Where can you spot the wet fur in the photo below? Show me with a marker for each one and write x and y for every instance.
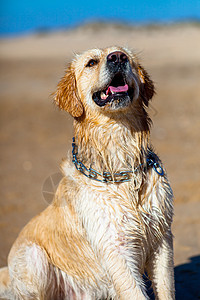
(96, 240)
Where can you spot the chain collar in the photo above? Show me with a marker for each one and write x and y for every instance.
(152, 161)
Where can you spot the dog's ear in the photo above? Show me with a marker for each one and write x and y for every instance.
(66, 95)
(147, 89)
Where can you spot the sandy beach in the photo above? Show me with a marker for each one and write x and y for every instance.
(35, 135)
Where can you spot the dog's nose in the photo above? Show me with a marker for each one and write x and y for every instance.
(117, 57)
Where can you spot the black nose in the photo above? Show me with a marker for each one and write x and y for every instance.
(117, 57)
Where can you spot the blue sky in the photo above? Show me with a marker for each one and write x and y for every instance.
(20, 16)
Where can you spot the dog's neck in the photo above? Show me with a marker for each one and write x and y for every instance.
(112, 145)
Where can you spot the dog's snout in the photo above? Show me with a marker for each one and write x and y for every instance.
(117, 57)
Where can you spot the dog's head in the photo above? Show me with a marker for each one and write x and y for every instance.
(110, 80)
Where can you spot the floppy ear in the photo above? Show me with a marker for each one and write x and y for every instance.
(147, 87)
(66, 95)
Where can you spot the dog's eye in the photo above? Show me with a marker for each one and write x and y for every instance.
(91, 63)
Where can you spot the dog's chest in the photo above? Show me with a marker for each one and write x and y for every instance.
(113, 220)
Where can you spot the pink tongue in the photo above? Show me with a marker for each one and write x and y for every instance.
(116, 89)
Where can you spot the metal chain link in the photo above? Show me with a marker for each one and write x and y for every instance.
(107, 177)
(152, 161)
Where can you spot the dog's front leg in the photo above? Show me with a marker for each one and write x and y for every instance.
(161, 270)
(126, 284)
(106, 234)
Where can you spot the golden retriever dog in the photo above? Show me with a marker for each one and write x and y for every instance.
(110, 220)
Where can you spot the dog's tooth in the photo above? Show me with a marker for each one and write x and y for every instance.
(103, 95)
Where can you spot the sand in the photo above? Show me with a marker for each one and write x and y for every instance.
(35, 135)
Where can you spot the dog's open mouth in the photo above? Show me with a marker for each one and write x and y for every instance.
(117, 91)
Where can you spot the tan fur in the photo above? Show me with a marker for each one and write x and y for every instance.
(96, 239)
(66, 96)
